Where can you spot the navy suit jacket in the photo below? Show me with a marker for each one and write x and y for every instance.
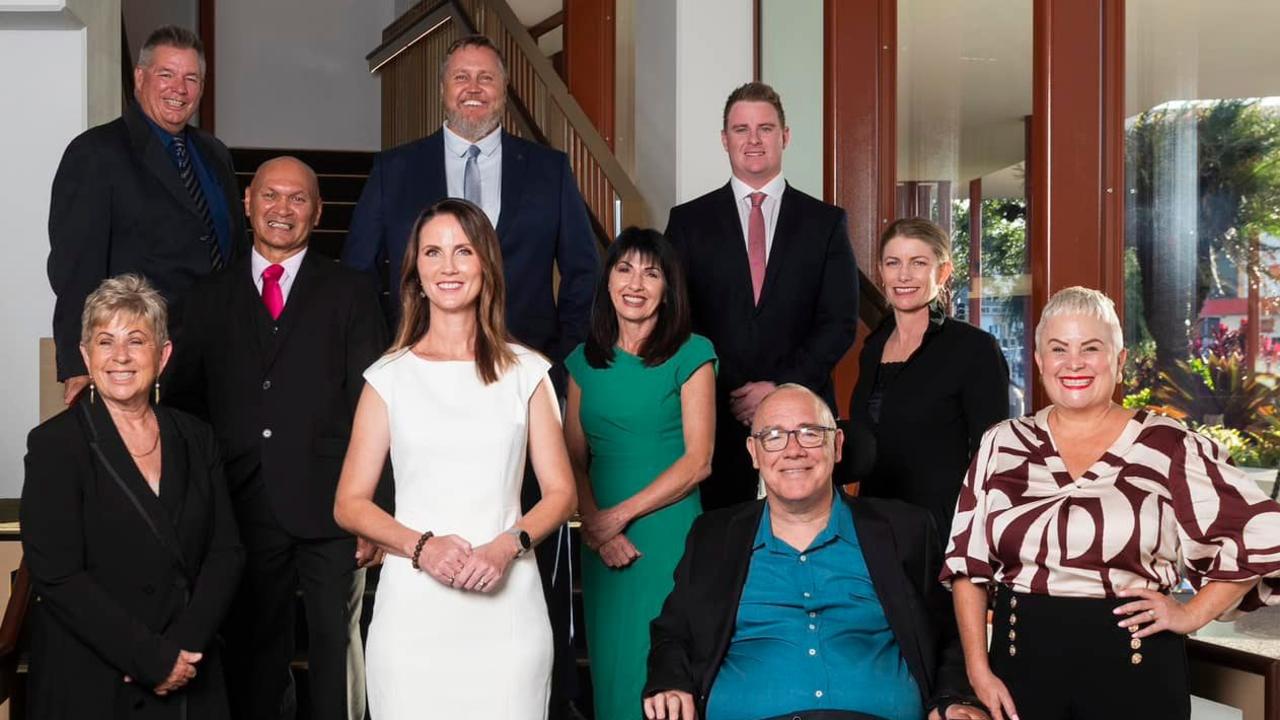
(543, 223)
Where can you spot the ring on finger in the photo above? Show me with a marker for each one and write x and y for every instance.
(1151, 614)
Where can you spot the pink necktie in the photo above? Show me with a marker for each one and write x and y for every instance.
(755, 243)
(272, 296)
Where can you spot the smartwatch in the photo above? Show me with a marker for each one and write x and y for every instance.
(523, 538)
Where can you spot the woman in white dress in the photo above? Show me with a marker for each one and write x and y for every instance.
(460, 627)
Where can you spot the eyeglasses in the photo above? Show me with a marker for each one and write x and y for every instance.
(808, 436)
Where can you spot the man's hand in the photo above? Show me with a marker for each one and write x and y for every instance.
(368, 553)
(960, 712)
(744, 401)
(184, 669)
(72, 387)
(670, 705)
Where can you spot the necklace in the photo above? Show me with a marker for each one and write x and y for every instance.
(154, 445)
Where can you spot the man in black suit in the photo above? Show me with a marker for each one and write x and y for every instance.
(772, 282)
(274, 356)
(144, 193)
(530, 196)
(807, 604)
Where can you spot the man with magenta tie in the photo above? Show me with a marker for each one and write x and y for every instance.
(273, 357)
(772, 282)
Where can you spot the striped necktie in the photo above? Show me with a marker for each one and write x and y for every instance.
(192, 184)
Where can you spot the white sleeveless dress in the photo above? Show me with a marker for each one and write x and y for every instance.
(458, 450)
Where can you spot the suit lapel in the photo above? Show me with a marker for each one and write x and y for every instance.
(737, 559)
(733, 246)
(300, 293)
(121, 465)
(246, 304)
(879, 551)
(431, 158)
(783, 233)
(230, 189)
(157, 160)
(513, 168)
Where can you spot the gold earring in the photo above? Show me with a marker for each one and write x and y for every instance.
(157, 392)
(91, 393)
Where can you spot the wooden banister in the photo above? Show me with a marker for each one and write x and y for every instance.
(539, 106)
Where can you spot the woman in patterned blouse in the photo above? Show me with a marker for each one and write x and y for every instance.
(1080, 518)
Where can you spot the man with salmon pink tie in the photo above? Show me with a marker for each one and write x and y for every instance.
(772, 282)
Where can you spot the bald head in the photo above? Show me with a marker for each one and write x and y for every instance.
(283, 205)
(791, 392)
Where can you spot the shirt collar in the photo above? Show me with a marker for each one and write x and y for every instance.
(165, 136)
(257, 264)
(773, 188)
(457, 145)
(839, 526)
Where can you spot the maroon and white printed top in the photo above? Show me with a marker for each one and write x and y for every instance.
(1160, 493)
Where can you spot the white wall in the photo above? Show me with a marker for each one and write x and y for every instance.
(59, 63)
(791, 61)
(292, 73)
(689, 55)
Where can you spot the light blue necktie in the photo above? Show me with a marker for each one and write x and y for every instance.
(471, 177)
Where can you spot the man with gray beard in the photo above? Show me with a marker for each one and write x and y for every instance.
(530, 196)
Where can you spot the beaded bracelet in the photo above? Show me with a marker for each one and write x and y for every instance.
(417, 549)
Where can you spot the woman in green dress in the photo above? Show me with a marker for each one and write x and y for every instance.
(640, 426)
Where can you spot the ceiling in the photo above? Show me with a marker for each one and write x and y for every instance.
(964, 76)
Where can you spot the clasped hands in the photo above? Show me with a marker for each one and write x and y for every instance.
(602, 532)
(184, 670)
(453, 562)
(744, 400)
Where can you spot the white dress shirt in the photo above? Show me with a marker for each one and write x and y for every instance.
(769, 208)
(257, 264)
(489, 161)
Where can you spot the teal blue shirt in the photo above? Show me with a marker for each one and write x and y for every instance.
(811, 635)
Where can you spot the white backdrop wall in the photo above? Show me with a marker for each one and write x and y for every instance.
(292, 73)
(60, 65)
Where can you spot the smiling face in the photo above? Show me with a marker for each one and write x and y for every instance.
(474, 91)
(124, 359)
(1078, 366)
(283, 205)
(794, 475)
(754, 138)
(912, 273)
(636, 287)
(168, 89)
(448, 266)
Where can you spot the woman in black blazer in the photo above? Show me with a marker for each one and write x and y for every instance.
(128, 534)
(928, 385)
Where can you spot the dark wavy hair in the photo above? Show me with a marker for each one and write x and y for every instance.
(493, 356)
(673, 324)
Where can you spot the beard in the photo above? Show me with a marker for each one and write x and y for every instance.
(474, 129)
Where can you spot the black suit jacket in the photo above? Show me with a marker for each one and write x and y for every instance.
(932, 415)
(543, 222)
(118, 206)
(124, 579)
(808, 310)
(689, 639)
(281, 395)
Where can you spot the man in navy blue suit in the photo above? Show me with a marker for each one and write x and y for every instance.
(529, 193)
(527, 190)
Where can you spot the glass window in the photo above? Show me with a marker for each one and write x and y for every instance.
(964, 99)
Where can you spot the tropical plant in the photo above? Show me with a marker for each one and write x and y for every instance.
(1216, 390)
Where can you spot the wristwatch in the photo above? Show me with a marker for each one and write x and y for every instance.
(523, 538)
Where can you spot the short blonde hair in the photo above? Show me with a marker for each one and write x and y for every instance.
(1077, 300)
(126, 295)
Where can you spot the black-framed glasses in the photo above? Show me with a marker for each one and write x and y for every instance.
(808, 436)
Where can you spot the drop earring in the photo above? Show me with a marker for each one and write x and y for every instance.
(91, 388)
(157, 392)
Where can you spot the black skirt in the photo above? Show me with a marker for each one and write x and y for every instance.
(1066, 658)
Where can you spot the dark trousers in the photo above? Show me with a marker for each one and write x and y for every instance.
(557, 588)
(733, 480)
(1068, 660)
(260, 626)
(826, 715)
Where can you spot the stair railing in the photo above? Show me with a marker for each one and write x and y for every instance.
(539, 106)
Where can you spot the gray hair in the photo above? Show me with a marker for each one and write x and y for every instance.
(476, 40)
(825, 416)
(171, 36)
(129, 295)
(1077, 300)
